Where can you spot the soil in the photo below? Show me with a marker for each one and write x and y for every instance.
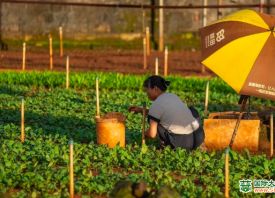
(184, 63)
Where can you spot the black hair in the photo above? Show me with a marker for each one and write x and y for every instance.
(156, 81)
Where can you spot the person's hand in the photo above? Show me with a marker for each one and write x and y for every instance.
(135, 109)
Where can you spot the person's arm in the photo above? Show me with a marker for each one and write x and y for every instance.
(153, 129)
(136, 109)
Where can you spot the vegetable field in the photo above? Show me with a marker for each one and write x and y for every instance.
(39, 167)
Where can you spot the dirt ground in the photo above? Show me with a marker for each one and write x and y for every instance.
(184, 63)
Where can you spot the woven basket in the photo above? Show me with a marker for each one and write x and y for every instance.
(110, 129)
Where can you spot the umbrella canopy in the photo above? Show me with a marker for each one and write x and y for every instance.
(240, 48)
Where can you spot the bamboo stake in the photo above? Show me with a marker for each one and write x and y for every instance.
(226, 194)
(97, 99)
(161, 26)
(157, 66)
(166, 61)
(51, 51)
(143, 123)
(206, 99)
(24, 57)
(67, 72)
(271, 135)
(61, 41)
(148, 41)
(144, 54)
(22, 120)
(71, 169)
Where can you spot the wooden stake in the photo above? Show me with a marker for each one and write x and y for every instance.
(202, 68)
(144, 54)
(148, 41)
(271, 135)
(166, 61)
(24, 57)
(67, 72)
(226, 193)
(97, 99)
(51, 51)
(22, 120)
(61, 41)
(157, 66)
(206, 99)
(143, 123)
(161, 26)
(71, 169)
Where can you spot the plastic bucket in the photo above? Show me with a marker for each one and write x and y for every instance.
(110, 129)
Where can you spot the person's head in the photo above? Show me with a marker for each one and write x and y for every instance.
(154, 86)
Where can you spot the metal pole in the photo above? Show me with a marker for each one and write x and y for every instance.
(219, 2)
(261, 8)
(143, 20)
(268, 8)
(3, 46)
(1, 23)
(147, 34)
(204, 20)
(161, 26)
(238, 121)
(153, 15)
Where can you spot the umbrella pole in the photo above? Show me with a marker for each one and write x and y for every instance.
(243, 104)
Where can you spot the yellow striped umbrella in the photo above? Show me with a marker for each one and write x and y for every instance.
(240, 48)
